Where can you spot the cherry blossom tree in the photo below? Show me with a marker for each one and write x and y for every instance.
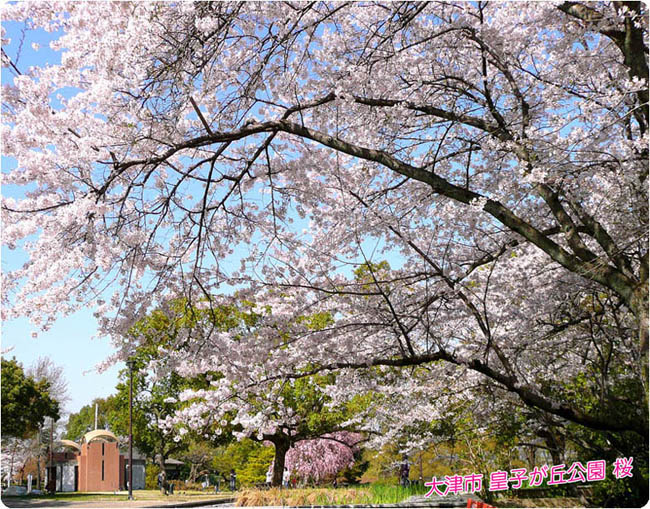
(323, 458)
(495, 153)
(284, 414)
(281, 412)
(15, 452)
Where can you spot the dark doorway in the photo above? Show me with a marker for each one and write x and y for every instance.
(51, 479)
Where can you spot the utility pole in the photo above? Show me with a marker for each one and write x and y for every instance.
(38, 457)
(51, 478)
(130, 363)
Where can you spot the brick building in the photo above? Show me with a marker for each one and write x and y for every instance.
(99, 466)
(95, 465)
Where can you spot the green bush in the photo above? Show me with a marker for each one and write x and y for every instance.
(254, 472)
(151, 477)
(249, 459)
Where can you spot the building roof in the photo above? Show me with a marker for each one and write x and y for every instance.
(99, 434)
(70, 443)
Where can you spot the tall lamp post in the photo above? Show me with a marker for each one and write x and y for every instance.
(52, 473)
(131, 364)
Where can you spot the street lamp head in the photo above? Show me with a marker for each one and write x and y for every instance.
(130, 362)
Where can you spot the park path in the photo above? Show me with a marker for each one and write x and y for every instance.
(448, 501)
(19, 502)
(117, 504)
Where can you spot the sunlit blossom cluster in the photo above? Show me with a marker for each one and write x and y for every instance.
(461, 188)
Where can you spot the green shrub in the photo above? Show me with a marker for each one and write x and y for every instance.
(254, 472)
(151, 477)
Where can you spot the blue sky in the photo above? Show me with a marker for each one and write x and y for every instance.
(69, 342)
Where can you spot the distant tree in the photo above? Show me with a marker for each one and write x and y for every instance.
(34, 447)
(44, 369)
(250, 459)
(25, 402)
(257, 465)
(83, 421)
(198, 456)
(155, 398)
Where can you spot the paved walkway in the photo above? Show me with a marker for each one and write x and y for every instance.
(19, 502)
(117, 504)
(450, 501)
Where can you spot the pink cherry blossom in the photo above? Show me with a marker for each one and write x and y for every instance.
(495, 154)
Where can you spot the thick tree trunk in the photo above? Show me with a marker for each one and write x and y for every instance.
(531, 456)
(193, 474)
(639, 305)
(282, 445)
(161, 464)
(555, 443)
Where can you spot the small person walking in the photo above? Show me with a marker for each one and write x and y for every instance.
(162, 482)
(233, 479)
